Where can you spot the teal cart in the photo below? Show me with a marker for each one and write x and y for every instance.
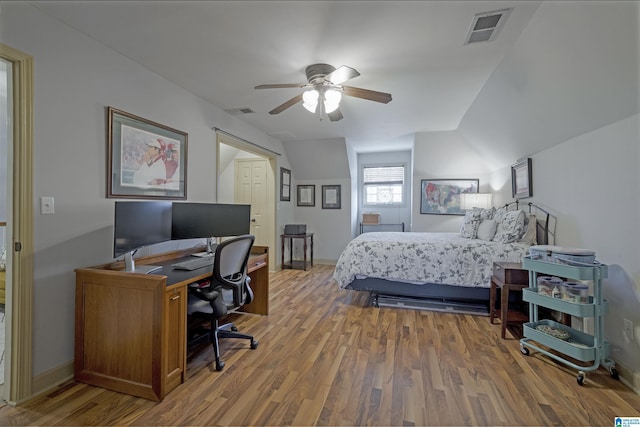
(575, 344)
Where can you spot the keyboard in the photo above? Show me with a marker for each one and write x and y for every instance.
(193, 263)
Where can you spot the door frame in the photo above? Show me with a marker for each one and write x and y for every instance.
(19, 297)
(223, 138)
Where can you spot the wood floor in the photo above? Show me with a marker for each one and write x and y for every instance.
(326, 358)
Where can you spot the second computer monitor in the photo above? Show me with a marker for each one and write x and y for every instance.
(205, 220)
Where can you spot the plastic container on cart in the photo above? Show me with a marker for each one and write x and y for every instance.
(547, 284)
(561, 254)
(575, 292)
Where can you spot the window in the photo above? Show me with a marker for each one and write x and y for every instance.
(383, 185)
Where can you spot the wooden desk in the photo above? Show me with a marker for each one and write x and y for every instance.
(130, 328)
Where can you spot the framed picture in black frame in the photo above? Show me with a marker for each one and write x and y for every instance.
(331, 197)
(306, 195)
(521, 179)
(285, 185)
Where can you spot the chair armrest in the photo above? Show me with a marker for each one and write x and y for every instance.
(205, 294)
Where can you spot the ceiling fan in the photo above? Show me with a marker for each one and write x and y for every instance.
(324, 89)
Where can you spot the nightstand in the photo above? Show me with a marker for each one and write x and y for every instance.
(508, 276)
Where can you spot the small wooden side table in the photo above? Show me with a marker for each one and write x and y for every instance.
(508, 276)
(297, 264)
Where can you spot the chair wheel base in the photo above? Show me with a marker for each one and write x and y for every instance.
(254, 344)
(219, 366)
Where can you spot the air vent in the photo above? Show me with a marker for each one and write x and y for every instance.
(239, 111)
(485, 26)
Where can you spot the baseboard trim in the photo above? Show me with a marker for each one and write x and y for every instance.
(325, 261)
(50, 379)
(628, 377)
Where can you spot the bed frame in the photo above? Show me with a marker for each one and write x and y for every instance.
(441, 297)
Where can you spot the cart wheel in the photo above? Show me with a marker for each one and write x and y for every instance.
(614, 373)
(524, 350)
(580, 378)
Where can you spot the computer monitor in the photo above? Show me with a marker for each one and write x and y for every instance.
(209, 220)
(138, 224)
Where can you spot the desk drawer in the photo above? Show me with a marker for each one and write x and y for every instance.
(510, 272)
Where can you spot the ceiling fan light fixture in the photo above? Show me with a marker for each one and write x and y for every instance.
(332, 100)
(310, 100)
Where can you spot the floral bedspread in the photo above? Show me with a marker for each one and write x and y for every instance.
(443, 258)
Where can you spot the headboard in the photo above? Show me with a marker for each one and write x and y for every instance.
(545, 222)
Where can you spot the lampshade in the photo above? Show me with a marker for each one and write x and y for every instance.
(310, 100)
(476, 200)
(330, 99)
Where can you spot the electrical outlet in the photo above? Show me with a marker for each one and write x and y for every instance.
(628, 329)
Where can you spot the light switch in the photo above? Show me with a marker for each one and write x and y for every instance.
(46, 205)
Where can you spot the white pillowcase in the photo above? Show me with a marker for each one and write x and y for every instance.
(487, 229)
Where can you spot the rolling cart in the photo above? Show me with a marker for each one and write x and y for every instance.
(574, 343)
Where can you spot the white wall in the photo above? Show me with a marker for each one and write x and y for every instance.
(75, 79)
(444, 155)
(322, 162)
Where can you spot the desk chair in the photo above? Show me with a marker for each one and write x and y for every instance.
(229, 290)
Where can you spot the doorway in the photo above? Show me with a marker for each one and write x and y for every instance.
(231, 154)
(18, 358)
(5, 119)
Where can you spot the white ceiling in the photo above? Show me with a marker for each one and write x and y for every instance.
(220, 50)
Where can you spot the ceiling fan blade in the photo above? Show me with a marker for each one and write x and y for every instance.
(335, 115)
(341, 74)
(370, 95)
(280, 86)
(280, 108)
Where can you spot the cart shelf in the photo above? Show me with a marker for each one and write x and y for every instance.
(588, 309)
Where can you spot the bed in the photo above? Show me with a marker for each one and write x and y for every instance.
(441, 269)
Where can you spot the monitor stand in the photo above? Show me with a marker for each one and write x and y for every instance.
(211, 249)
(130, 265)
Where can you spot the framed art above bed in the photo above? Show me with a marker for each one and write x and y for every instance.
(521, 179)
(442, 196)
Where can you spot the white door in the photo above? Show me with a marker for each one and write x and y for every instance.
(251, 188)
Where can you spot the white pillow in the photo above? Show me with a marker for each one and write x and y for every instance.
(531, 229)
(487, 229)
(510, 227)
(470, 224)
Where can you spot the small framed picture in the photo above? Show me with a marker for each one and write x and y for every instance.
(306, 195)
(521, 179)
(147, 160)
(285, 185)
(330, 197)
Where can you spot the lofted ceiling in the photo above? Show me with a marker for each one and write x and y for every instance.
(221, 50)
